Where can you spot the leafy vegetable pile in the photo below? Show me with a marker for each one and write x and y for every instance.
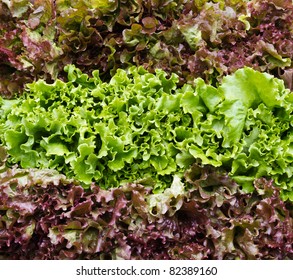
(142, 127)
(153, 129)
(200, 38)
(49, 217)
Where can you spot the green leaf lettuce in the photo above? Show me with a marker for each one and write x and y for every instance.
(144, 127)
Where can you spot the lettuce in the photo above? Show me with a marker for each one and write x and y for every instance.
(46, 216)
(229, 35)
(207, 39)
(89, 130)
(143, 127)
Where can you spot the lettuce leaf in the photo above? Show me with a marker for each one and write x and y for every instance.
(145, 127)
(207, 39)
(46, 216)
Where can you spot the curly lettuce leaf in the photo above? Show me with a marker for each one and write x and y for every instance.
(207, 39)
(46, 216)
(145, 127)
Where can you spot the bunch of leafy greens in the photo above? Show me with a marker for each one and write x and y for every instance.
(207, 39)
(141, 127)
(46, 216)
(27, 43)
(229, 35)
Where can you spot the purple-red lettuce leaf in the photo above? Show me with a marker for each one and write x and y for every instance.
(190, 38)
(43, 215)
